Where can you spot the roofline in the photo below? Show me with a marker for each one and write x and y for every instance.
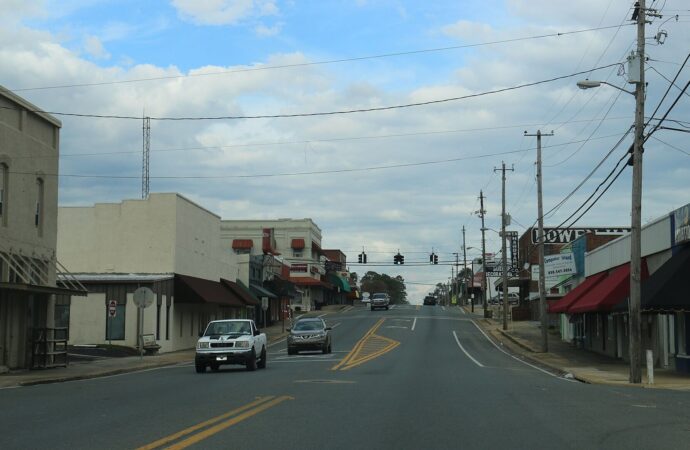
(29, 106)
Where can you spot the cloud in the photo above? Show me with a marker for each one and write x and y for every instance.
(223, 12)
(94, 47)
(232, 166)
(265, 31)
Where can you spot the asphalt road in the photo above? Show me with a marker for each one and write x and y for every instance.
(422, 378)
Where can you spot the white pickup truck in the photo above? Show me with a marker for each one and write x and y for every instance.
(236, 341)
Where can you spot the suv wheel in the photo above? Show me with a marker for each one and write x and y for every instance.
(200, 368)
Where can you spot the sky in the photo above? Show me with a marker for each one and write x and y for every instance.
(403, 179)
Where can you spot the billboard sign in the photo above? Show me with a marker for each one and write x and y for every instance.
(681, 224)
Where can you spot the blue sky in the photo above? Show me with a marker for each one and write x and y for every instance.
(444, 154)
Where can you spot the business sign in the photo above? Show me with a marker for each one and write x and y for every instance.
(566, 235)
(681, 224)
(555, 266)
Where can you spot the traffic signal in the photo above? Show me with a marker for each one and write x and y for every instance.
(398, 259)
(359, 258)
(364, 257)
(431, 258)
(402, 259)
(435, 258)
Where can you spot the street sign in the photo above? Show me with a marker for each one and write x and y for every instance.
(143, 297)
(264, 303)
(112, 311)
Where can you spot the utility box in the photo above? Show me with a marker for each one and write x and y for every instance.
(633, 68)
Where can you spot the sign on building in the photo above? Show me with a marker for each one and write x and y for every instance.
(555, 266)
(566, 235)
(681, 224)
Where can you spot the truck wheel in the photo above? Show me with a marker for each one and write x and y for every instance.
(386, 308)
(372, 308)
(200, 368)
(324, 349)
(262, 362)
(291, 351)
(329, 348)
(251, 362)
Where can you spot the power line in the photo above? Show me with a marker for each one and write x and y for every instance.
(316, 63)
(289, 174)
(322, 113)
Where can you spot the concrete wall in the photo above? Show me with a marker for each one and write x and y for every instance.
(164, 234)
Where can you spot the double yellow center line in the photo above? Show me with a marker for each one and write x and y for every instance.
(369, 347)
(216, 424)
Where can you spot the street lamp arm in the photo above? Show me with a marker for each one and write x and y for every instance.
(588, 84)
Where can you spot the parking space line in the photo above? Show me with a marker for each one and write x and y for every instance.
(414, 324)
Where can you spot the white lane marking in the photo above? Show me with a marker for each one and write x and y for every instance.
(462, 310)
(276, 361)
(336, 325)
(322, 315)
(396, 326)
(518, 359)
(443, 308)
(393, 306)
(414, 323)
(465, 351)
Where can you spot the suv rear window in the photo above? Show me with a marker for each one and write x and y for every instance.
(379, 296)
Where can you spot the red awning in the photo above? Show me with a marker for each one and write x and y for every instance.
(609, 292)
(573, 296)
(309, 281)
(242, 244)
(297, 244)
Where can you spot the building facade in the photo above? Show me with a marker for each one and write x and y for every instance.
(29, 292)
(166, 243)
(294, 242)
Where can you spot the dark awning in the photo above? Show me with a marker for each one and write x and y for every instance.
(609, 292)
(667, 289)
(241, 291)
(259, 291)
(581, 289)
(297, 244)
(198, 290)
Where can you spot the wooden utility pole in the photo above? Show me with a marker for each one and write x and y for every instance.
(542, 275)
(504, 256)
(464, 264)
(636, 213)
(482, 212)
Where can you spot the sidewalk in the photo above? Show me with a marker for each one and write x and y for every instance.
(101, 367)
(524, 338)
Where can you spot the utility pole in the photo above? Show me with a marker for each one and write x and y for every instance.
(464, 264)
(482, 212)
(636, 214)
(542, 275)
(504, 257)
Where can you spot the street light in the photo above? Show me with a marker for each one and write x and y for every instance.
(636, 213)
(589, 84)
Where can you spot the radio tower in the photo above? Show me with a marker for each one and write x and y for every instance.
(145, 161)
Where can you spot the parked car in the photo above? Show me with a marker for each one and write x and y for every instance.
(230, 342)
(310, 333)
(513, 299)
(380, 300)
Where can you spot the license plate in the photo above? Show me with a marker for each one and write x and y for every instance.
(221, 358)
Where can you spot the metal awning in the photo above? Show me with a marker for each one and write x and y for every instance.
(260, 291)
(33, 272)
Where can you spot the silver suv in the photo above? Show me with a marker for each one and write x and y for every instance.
(380, 300)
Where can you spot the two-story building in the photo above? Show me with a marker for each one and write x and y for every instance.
(30, 297)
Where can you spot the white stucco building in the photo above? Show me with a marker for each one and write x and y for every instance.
(167, 243)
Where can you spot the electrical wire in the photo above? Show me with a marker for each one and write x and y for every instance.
(321, 113)
(671, 146)
(316, 63)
